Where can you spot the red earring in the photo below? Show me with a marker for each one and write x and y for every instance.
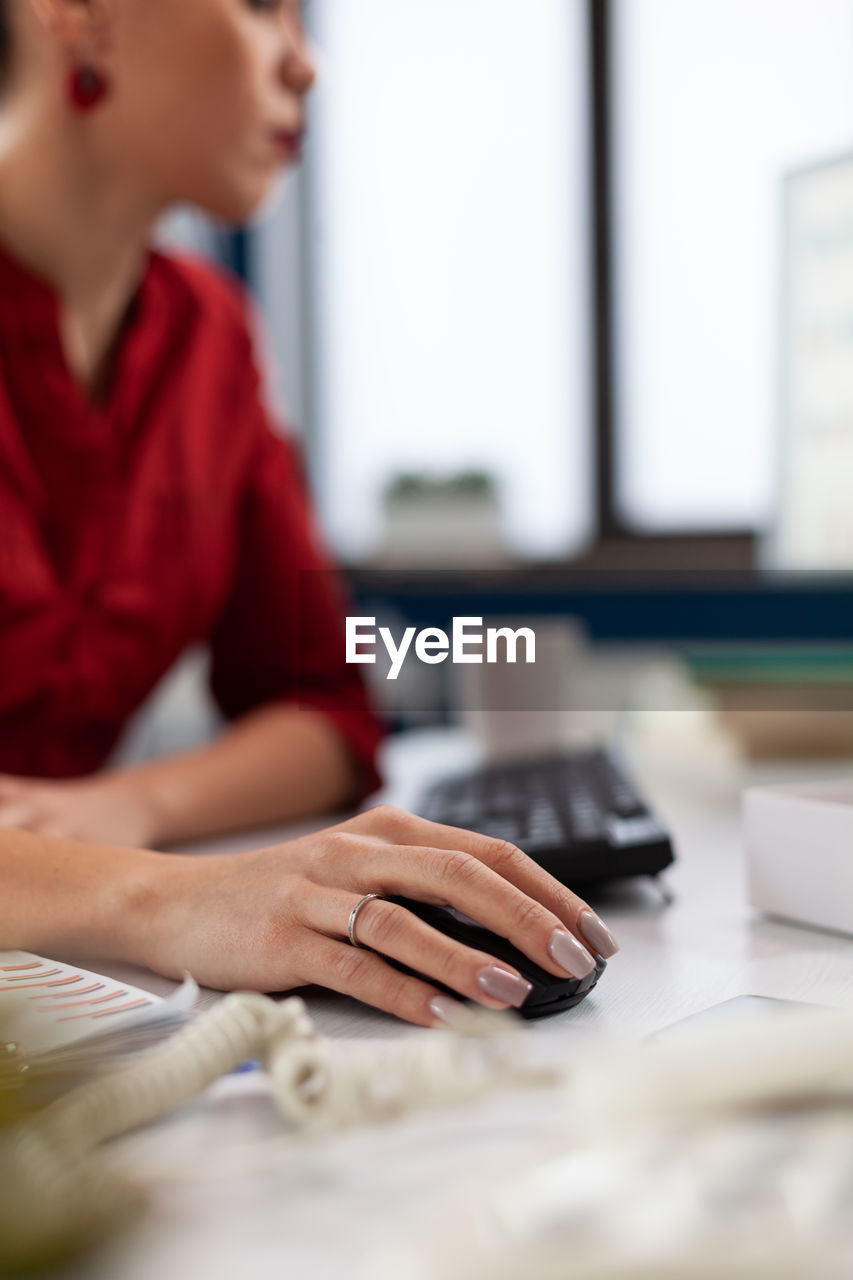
(86, 87)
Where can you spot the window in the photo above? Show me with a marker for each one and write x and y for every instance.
(451, 228)
(448, 237)
(713, 102)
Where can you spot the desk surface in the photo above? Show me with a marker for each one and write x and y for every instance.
(323, 1211)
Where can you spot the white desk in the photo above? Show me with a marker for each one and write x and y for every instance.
(321, 1213)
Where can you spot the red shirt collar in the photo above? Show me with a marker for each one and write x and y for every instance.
(28, 302)
(29, 328)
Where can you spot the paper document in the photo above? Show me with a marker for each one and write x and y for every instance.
(47, 1006)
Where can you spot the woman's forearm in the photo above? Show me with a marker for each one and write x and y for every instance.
(63, 896)
(276, 765)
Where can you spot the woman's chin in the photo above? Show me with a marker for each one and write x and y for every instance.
(239, 205)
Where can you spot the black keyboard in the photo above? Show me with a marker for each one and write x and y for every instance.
(575, 813)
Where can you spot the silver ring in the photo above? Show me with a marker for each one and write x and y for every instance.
(353, 916)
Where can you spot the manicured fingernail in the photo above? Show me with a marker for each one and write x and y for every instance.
(501, 985)
(598, 935)
(568, 953)
(448, 1011)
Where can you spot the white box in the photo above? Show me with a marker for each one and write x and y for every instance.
(799, 849)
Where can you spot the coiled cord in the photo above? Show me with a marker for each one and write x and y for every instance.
(60, 1194)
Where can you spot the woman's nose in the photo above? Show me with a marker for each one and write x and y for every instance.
(297, 68)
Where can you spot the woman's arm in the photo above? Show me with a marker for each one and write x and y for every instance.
(62, 896)
(276, 918)
(274, 765)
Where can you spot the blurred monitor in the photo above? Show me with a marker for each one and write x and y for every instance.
(814, 518)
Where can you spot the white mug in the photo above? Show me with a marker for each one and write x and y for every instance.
(521, 708)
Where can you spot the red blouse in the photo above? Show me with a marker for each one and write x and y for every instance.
(167, 514)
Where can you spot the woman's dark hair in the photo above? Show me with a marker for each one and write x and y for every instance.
(4, 40)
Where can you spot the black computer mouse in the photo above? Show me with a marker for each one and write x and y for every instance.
(549, 995)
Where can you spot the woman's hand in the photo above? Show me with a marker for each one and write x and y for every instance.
(277, 918)
(103, 809)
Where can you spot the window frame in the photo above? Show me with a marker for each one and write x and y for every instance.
(616, 544)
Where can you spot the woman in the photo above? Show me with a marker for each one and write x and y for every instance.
(146, 504)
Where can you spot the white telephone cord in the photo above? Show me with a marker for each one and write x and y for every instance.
(680, 1135)
(54, 1188)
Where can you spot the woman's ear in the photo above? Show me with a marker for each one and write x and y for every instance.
(81, 27)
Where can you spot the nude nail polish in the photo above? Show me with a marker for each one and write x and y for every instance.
(598, 935)
(450, 1012)
(568, 953)
(501, 985)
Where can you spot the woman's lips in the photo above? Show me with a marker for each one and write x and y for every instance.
(288, 142)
